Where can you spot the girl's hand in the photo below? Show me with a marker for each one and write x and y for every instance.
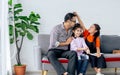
(82, 49)
(88, 51)
(75, 13)
(98, 55)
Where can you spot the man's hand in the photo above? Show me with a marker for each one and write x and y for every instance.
(69, 40)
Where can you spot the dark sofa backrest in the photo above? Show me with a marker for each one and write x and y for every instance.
(43, 42)
(109, 43)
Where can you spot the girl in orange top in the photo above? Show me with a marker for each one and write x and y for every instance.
(93, 42)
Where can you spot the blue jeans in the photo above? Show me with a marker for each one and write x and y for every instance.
(82, 66)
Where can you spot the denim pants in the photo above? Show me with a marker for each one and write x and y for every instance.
(54, 54)
(82, 65)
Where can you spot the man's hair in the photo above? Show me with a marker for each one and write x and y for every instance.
(69, 16)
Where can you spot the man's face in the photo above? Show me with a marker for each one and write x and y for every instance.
(72, 22)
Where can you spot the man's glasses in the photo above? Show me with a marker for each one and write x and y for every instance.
(73, 21)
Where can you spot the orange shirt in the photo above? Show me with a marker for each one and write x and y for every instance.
(90, 38)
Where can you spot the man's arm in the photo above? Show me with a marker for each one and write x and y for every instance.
(67, 42)
(54, 39)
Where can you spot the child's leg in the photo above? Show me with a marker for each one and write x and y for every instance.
(96, 69)
(99, 70)
(100, 63)
(84, 66)
(79, 64)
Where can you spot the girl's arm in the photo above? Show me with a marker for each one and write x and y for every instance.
(98, 54)
(82, 49)
(98, 50)
(80, 21)
(98, 47)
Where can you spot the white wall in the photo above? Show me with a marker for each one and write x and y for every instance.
(0, 34)
(103, 12)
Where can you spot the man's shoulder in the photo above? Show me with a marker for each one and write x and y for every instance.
(57, 27)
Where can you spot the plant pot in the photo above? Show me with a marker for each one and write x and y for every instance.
(20, 70)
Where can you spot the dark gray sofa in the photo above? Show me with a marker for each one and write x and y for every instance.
(108, 44)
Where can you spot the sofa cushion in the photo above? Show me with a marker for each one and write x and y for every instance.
(112, 57)
(62, 60)
(108, 58)
(109, 43)
(43, 42)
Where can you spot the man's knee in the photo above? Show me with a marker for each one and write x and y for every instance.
(73, 53)
(50, 54)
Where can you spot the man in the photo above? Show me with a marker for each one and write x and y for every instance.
(60, 38)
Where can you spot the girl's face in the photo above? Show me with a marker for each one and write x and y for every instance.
(92, 29)
(77, 32)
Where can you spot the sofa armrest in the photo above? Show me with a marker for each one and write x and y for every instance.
(37, 57)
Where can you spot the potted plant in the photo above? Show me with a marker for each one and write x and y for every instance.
(21, 28)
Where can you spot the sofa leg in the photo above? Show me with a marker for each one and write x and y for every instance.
(44, 72)
(115, 69)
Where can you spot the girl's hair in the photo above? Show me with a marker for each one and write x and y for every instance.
(77, 25)
(97, 27)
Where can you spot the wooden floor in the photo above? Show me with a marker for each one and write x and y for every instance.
(89, 72)
(106, 74)
(86, 74)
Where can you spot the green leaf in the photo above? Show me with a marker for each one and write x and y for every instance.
(25, 18)
(32, 12)
(16, 18)
(18, 25)
(11, 30)
(11, 40)
(37, 23)
(29, 36)
(23, 25)
(18, 11)
(17, 5)
(10, 2)
(31, 27)
(37, 30)
(22, 33)
(33, 17)
(38, 16)
(34, 28)
(10, 9)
